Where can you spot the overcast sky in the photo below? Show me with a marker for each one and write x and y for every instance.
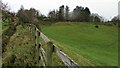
(105, 8)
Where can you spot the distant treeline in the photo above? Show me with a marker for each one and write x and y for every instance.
(78, 14)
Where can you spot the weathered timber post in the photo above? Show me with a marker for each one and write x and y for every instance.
(49, 53)
(36, 38)
(29, 28)
(33, 30)
(39, 45)
(36, 44)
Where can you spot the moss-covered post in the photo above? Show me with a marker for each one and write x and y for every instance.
(49, 53)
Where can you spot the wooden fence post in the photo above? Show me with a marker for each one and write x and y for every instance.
(36, 44)
(36, 37)
(32, 30)
(49, 53)
(39, 45)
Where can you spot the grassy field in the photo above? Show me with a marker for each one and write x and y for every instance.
(83, 42)
(87, 45)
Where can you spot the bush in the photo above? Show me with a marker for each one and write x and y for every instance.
(96, 26)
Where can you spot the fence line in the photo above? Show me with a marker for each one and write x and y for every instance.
(46, 57)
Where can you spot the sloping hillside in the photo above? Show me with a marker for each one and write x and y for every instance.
(85, 43)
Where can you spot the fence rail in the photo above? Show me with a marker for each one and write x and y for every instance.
(46, 57)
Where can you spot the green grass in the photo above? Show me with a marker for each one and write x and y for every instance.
(86, 44)
(0, 43)
(0, 61)
(4, 26)
(21, 46)
(0, 28)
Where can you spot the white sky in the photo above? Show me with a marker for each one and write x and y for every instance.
(105, 8)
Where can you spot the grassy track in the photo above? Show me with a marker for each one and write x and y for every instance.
(86, 44)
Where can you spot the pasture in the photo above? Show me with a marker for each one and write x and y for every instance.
(84, 43)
